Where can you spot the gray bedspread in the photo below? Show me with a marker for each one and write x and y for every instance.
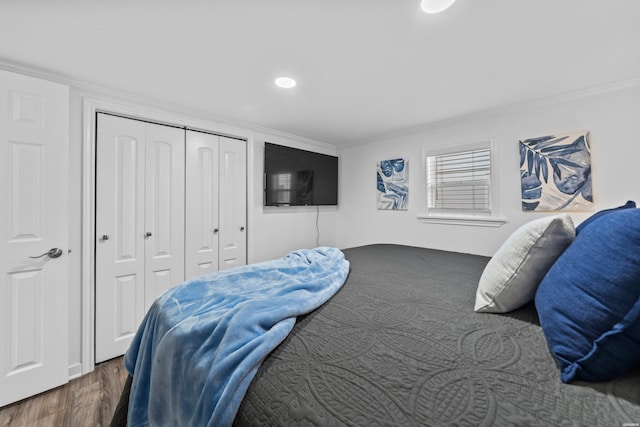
(400, 345)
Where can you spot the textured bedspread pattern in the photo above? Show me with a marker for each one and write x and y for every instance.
(400, 345)
(202, 342)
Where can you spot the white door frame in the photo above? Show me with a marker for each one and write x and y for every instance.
(135, 111)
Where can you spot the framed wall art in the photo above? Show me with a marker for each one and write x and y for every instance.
(393, 184)
(555, 173)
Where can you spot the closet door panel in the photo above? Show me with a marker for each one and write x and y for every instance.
(233, 203)
(201, 235)
(164, 209)
(120, 264)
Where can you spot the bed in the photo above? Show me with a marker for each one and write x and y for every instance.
(400, 344)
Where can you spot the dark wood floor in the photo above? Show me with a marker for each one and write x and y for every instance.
(86, 401)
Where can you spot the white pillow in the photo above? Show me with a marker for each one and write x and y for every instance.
(512, 276)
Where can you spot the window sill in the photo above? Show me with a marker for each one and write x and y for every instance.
(477, 221)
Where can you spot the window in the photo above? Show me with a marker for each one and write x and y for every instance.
(459, 185)
(460, 182)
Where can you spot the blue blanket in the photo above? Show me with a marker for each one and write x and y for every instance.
(201, 342)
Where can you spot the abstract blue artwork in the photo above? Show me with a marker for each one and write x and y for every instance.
(555, 173)
(393, 184)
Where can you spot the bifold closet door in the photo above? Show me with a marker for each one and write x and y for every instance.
(233, 203)
(201, 227)
(216, 203)
(139, 224)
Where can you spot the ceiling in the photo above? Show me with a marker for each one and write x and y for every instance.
(364, 68)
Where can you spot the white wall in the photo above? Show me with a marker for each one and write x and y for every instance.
(279, 230)
(272, 232)
(611, 115)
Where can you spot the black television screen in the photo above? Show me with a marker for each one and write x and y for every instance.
(295, 177)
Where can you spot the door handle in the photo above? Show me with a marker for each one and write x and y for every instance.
(241, 228)
(215, 230)
(52, 253)
(148, 234)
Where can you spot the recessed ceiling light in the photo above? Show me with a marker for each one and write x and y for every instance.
(285, 82)
(436, 6)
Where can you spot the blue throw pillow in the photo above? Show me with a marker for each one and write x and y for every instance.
(589, 301)
(629, 205)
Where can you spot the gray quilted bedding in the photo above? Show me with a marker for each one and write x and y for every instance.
(401, 345)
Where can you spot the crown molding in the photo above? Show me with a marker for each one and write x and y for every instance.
(508, 109)
(153, 103)
(203, 115)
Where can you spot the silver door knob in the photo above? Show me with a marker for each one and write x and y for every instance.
(52, 253)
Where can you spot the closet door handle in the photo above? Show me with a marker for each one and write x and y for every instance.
(215, 230)
(147, 234)
(241, 228)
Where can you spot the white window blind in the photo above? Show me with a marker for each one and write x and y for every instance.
(459, 182)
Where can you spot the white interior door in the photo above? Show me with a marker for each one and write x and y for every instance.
(120, 252)
(201, 227)
(164, 210)
(233, 203)
(34, 132)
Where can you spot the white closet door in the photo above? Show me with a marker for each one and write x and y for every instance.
(139, 224)
(143, 243)
(201, 227)
(120, 251)
(34, 133)
(233, 203)
(164, 210)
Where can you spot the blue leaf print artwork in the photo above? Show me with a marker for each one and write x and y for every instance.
(555, 173)
(381, 187)
(392, 184)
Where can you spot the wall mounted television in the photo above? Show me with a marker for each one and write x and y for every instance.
(295, 177)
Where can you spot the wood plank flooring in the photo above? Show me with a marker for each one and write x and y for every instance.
(86, 401)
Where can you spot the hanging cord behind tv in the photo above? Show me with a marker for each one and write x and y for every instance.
(317, 227)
